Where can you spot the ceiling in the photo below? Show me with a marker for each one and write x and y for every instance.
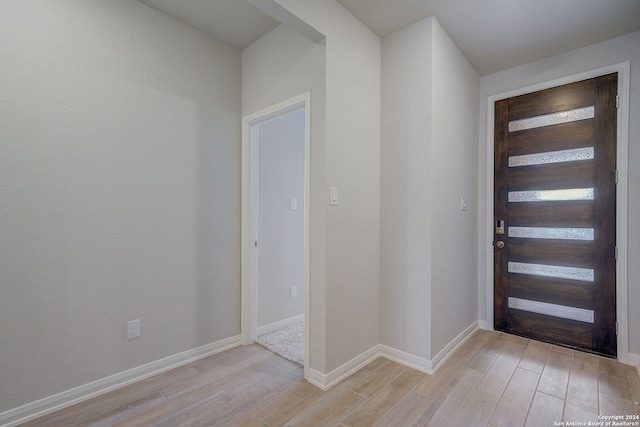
(235, 22)
(496, 35)
(493, 35)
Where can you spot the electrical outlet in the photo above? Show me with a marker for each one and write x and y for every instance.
(294, 291)
(133, 329)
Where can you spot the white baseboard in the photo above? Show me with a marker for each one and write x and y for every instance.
(266, 329)
(317, 378)
(325, 382)
(67, 398)
(629, 359)
(424, 365)
(453, 345)
(486, 325)
(407, 359)
(632, 359)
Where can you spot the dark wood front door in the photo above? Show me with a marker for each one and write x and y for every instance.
(554, 225)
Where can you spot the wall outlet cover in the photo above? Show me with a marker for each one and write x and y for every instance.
(133, 329)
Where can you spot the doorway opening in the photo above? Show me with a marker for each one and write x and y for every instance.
(621, 305)
(275, 229)
(554, 249)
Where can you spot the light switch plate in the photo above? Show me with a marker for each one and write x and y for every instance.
(333, 200)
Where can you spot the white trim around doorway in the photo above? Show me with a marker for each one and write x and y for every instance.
(249, 321)
(622, 309)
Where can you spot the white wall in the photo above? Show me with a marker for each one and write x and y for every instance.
(626, 48)
(352, 164)
(280, 65)
(429, 123)
(119, 189)
(281, 228)
(454, 153)
(405, 264)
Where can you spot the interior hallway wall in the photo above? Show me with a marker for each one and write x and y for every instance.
(405, 264)
(280, 65)
(119, 189)
(454, 153)
(429, 123)
(350, 290)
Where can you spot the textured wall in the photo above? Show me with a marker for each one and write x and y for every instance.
(119, 191)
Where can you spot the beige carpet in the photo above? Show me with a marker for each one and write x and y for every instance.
(287, 342)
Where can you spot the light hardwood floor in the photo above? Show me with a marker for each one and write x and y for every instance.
(493, 379)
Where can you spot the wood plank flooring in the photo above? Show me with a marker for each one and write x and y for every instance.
(492, 380)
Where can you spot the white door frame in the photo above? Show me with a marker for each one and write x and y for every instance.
(249, 233)
(623, 70)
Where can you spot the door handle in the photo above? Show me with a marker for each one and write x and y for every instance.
(499, 244)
